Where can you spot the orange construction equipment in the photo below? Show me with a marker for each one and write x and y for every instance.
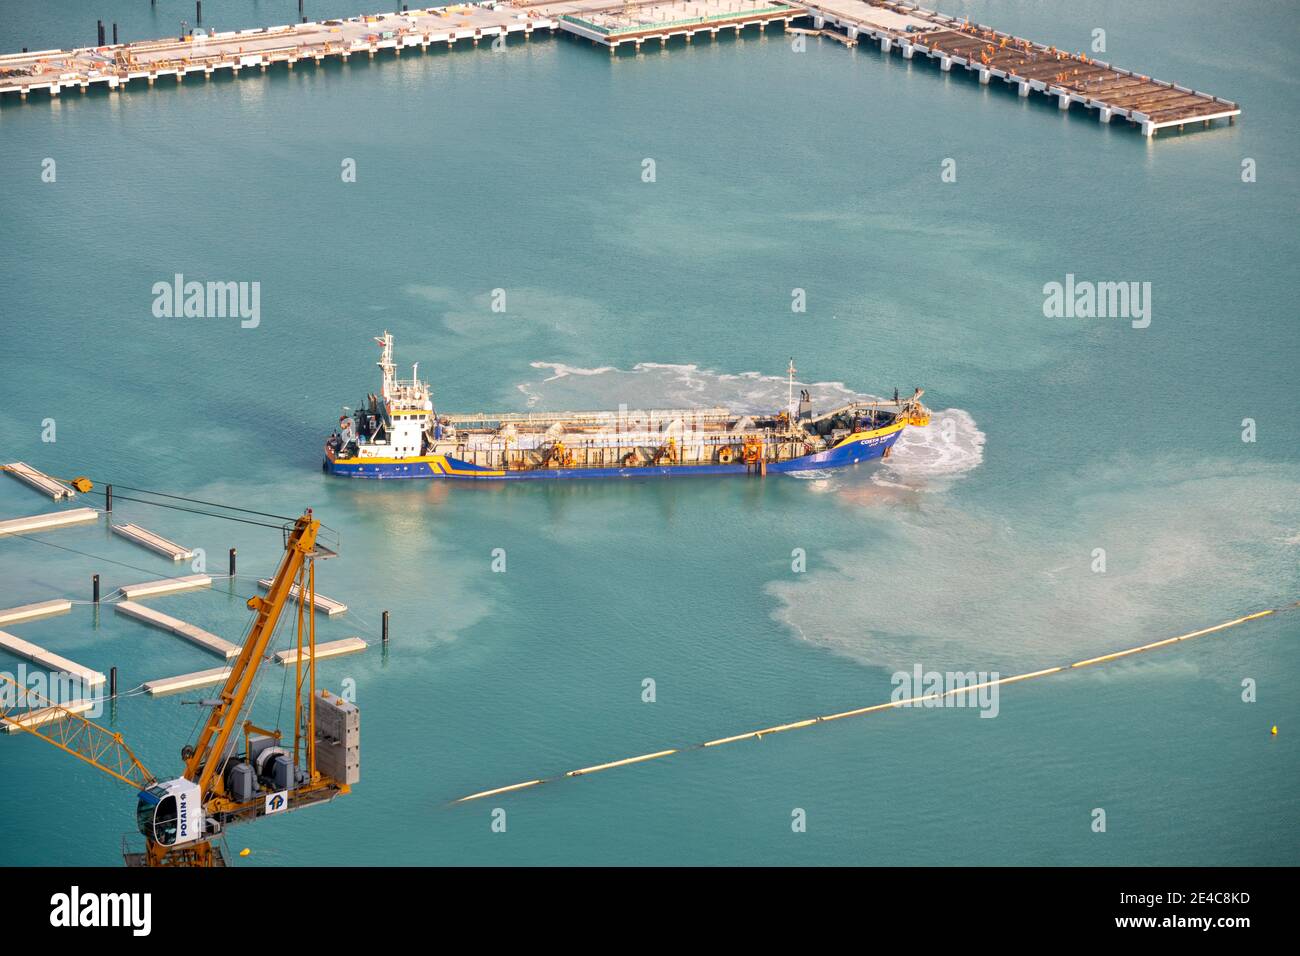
(223, 782)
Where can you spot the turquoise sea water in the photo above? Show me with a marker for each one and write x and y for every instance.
(521, 171)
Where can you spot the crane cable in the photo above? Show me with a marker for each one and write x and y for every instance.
(876, 708)
(185, 498)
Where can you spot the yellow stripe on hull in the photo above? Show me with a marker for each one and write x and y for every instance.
(437, 464)
(860, 436)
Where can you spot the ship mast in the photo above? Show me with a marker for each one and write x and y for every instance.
(789, 395)
(386, 365)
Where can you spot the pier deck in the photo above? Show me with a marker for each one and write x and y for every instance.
(613, 24)
(203, 53)
(1070, 78)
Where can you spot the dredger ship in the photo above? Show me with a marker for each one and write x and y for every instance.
(398, 433)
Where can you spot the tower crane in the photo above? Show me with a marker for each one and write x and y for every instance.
(235, 771)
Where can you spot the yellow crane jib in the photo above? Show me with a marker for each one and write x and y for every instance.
(26, 710)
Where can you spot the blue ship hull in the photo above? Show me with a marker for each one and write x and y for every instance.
(851, 451)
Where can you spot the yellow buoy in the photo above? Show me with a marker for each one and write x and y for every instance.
(82, 484)
(1274, 730)
(245, 851)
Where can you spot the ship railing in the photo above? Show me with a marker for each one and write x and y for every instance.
(597, 417)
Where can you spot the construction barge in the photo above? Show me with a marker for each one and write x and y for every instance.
(398, 434)
(1069, 78)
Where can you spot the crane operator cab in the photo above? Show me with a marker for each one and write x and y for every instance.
(170, 813)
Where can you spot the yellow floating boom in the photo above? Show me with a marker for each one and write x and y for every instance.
(873, 708)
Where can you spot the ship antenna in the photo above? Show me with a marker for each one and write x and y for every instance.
(386, 364)
(789, 395)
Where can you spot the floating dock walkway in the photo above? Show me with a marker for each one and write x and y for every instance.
(1069, 78)
(30, 476)
(30, 612)
(172, 685)
(189, 582)
(49, 660)
(154, 542)
(195, 635)
(329, 606)
(348, 645)
(45, 522)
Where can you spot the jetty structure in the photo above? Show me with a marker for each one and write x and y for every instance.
(1070, 78)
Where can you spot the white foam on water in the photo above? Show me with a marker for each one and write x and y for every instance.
(1013, 586)
(951, 445)
(650, 385)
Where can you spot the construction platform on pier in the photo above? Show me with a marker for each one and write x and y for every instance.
(46, 522)
(114, 66)
(49, 660)
(165, 622)
(154, 542)
(1031, 67)
(614, 24)
(38, 480)
(1069, 78)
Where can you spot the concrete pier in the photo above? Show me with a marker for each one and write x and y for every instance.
(30, 612)
(610, 24)
(1152, 104)
(1069, 77)
(195, 635)
(116, 65)
(46, 522)
(154, 542)
(327, 605)
(348, 645)
(189, 582)
(171, 685)
(49, 660)
(42, 482)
